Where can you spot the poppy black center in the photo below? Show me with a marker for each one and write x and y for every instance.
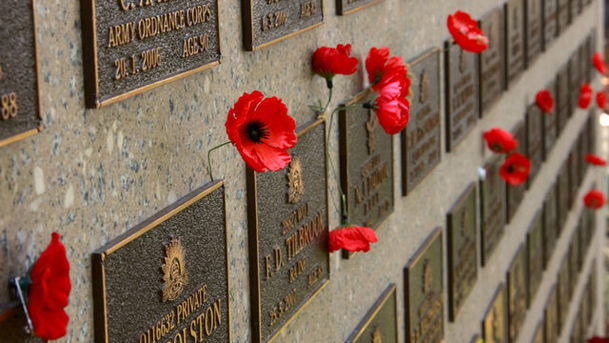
(510, 169)
(256, 131)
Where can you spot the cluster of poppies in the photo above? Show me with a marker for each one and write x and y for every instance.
(516, 167)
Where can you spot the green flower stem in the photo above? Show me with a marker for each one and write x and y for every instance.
(209, 167)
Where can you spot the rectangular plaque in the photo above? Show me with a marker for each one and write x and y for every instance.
(424, 292)
(564, 196)
(573, 166)
(562, 98)
(344, 7)
(288, 230)
(462, 250)
(590, 50)
(492, 209)
(514, 41)
(576, 334)
(550, 224)
(20, 114)
(575, 260)
(534, 141)
(131, 46)
(591, 128)
(575, 7)
(462, 107)
(583, 150)
(422, 138)
(366, 164)
(170, 271)
(517, 293)
(550, 126)
(564, 292)
(563, 15)
(575, 81)
(492, 60)
(551, 324)
(515, 194)
(494, 324)
(584, 62)
(534, 30)
(535, 257)
(550, 22)
(269, 21)
(380, 324)
(538, 336)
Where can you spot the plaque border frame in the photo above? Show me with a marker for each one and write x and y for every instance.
(452, 314)
(100, 316)
(92, 98)
(254, 252)
(31, 132)
(390, 290)
(247, 8)
(340, 12)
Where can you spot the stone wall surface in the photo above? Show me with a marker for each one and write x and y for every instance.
(92, 174)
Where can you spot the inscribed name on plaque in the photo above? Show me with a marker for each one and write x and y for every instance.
(515, 40)
(492, 60)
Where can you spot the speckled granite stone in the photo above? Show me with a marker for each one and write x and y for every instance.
(93, 174)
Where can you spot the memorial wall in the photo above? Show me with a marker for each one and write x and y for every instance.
(109, 110)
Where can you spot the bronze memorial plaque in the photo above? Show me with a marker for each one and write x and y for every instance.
(551, 325)
(515, 194)
(166, 280)
(514, 41)
(366, 165)
(424, 292)
(573, 163)
(462, 107)
(534, 141)
(550, 126)
(550, 224)
(535, 257)
(575, 9)
(462, 250)
(344, 7)
(574, 255)
(422, 138)
(20, 114)
(492, 209)
(517, 293)
(131, 46)
(494, 324)
(564, 292)
(492, 60)
(288, 230)
(591, 130)
(562, 99)
(564, 196)
(575, 81)
(538, 336)
(563, 15)
(380, 324)
(268, 21)
(534, 26)
(550, 22)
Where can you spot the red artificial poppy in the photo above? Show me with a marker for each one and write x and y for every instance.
(392, 106)
(328, 62)
(49, 291)
(601, 99)
(599, 63)
(595, 199)
(585, 95)
(466, 33)
(597, 161)
(545, 101)
(381, 68)
(597, 339)
(515, 170)
(352, 238)
(262, 131)
(500, 141)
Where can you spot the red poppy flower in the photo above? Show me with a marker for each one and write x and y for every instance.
(595, 199)
(599, 63)
(49, 291)
(597, 161)
(500, 141)
(466, 33)
(381, 67)
(597, 339)
(545, 101)
(601, 99)
(262, 131)
(392, 106)
(585, 95)
(328, 62)
(515, 170)
(352, 238)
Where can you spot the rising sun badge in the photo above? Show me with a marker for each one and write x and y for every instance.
(295, 183)
(175, 276)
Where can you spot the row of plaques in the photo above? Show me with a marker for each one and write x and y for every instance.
(131, 46)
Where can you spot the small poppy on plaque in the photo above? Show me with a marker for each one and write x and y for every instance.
(380, 324)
